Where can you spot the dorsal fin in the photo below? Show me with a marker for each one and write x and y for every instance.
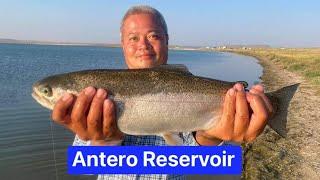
(179, 68)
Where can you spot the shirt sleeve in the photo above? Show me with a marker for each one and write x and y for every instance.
(79, 142)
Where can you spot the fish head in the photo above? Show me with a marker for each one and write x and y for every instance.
(49, 90)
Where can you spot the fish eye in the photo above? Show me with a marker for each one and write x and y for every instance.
(46, 90)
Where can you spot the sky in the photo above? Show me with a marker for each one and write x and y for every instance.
(279, 23)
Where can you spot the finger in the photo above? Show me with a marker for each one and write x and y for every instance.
(259, 117)
(259, 90)
(242, 115)
(78, 115)
(228, 114)
(258, 87)
(238, 87)
(94, 124)
(223, 129)
(60, 111)
(108, 118)
(111, 129)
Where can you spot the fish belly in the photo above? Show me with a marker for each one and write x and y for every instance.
(160, 113)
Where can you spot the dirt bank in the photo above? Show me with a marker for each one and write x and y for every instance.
(298, 155)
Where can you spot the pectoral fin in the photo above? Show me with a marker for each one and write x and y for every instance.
(173, 139)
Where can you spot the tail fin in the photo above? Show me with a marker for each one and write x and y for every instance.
(280, 101)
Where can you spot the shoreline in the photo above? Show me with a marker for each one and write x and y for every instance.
(171, 47)
(298, 155)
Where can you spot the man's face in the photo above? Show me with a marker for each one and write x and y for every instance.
(144, 42)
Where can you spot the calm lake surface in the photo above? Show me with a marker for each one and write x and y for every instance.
(31, 146)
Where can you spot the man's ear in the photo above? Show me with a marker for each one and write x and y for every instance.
(121, 38)
(121, 41)
(167, 39)
(123, 50)
(122, 46)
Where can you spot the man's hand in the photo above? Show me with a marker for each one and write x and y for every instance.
(237, 123)
(91, 116)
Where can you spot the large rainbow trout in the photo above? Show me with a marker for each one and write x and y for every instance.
(159, 101)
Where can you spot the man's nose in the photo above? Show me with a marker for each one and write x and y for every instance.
(144, 43)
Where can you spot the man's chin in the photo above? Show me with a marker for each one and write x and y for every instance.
(147, 63)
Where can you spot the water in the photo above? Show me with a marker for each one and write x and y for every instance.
(31, 146)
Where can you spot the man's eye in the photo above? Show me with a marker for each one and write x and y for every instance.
(154, 37)
(133, 39)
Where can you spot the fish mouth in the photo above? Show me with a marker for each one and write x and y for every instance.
(40, 99)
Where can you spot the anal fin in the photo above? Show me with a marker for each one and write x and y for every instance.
(173, 139)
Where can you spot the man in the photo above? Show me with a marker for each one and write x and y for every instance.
(144, 39)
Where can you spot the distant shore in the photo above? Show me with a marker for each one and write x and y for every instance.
(33, 42)
(51, 43)
(298, 155)
(171, 47)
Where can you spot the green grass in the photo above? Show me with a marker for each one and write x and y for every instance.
(304, 61)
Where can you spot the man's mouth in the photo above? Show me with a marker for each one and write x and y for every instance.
(146, 56)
